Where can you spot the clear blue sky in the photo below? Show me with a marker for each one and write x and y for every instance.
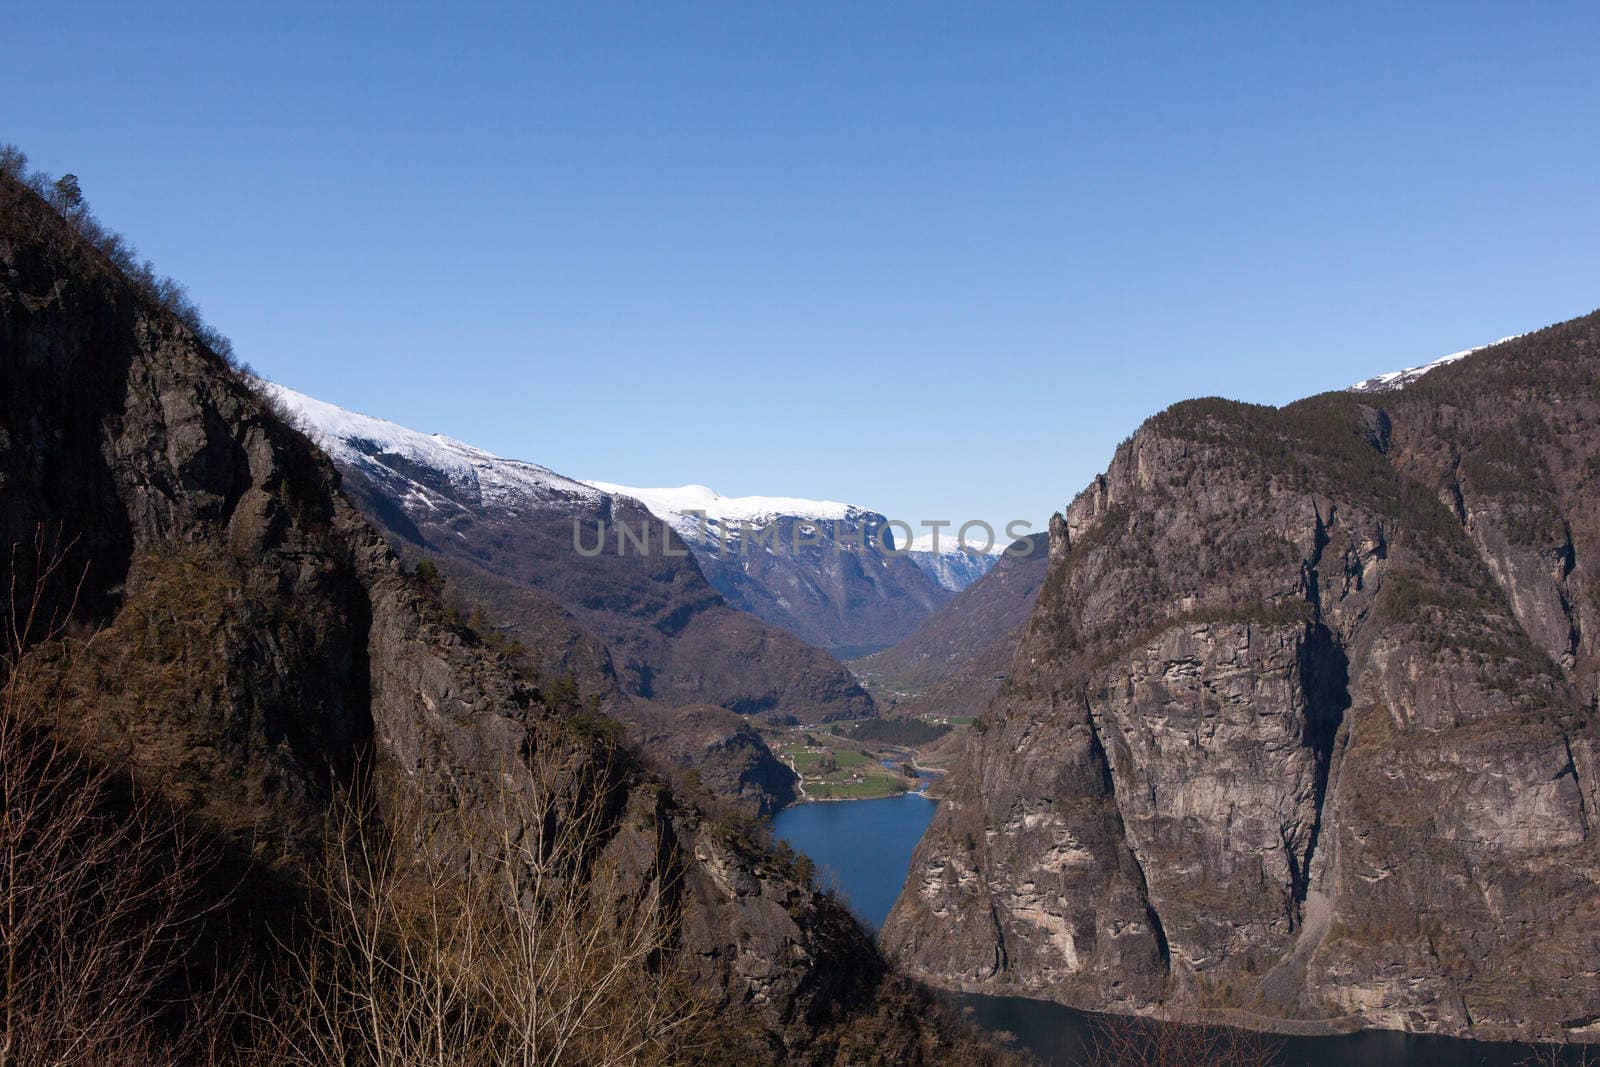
(934, 260)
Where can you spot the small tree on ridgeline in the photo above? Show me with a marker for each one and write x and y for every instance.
(66, 195)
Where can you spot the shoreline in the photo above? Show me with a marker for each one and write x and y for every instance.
(807, 799)
(928, 777)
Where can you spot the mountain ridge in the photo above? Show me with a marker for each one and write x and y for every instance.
(825, 571)
(957, 658)
(951, 562)
(1399, 379)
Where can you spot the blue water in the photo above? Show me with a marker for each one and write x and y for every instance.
(1061, 1037)
(860, 847)
(863, 848)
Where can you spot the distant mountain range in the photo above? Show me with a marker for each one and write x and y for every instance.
(951, 563)
(955, 661)
(820, 569)
(503, 531)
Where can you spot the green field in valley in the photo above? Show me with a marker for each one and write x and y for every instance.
(830, 768)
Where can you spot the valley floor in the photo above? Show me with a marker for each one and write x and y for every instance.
(866, 759)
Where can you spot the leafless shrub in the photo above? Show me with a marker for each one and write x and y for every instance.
(505, 935)
(1559, 1056)
(13, 162)
(99, 893)
(272, 404)
(523, 951)
(1184, 1039)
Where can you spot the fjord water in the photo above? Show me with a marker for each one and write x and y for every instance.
(1061, 1037)
(863, 848)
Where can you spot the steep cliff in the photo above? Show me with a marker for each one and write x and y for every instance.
(1303, 726)
(716, 747)
(254, 640)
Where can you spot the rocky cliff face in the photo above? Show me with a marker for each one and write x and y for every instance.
(256, 639)
(1303, 726)
(817, 568)
(716, 747)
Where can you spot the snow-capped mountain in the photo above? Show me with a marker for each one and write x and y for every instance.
(812, 567)
(430, 470)
(502, 531)
(953, 565)
(818, 568)
(705, 518)
(1399, 379)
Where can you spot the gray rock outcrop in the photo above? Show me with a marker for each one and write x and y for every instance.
(1303, 726)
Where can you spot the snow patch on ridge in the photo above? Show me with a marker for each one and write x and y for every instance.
(679, 505)
(949, 542)
(391, 452)
(1399, 379)
(433, 473)
(953, 566)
